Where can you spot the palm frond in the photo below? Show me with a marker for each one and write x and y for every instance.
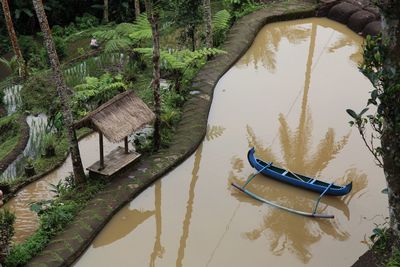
(221, 20)
(117, 45)
(141, 29)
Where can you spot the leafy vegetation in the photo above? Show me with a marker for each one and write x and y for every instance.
(1, 96)
(220, 24)
(7, 220)
(240, 8)
(9, 134)
(92, 83)
(96, 91)
(54, 216)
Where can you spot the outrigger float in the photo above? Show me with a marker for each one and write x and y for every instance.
(298, 180)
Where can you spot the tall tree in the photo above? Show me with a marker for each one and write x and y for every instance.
(13, 38)
(382, 67)
(105, 11)
(208, 22)
(390, 109)
(62, 90)
(137, 8)
(187, 14)
(153, 16)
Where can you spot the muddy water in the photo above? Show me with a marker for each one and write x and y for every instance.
(27, 222)
(287, 97)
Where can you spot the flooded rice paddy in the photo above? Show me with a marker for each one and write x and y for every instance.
(26, 220)
(286, 97)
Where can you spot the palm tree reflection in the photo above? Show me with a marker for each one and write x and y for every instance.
(213, 132)
(287, 232)
(265, 46)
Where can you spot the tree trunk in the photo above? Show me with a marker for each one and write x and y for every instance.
(153, 18)
(105, 14)
(137, 8)
(61, 91)
(193, 37)
(208, 22)
(390, 139)
(14, 40)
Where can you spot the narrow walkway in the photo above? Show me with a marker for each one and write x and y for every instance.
(67, 246)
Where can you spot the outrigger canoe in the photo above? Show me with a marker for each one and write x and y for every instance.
(267, 169)
(298, 180)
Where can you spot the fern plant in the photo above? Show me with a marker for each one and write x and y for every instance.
(178, 63)
(141, 29)
(96, 91)
(220, 25)
(116, 39)
(125, 35)
(11, 64)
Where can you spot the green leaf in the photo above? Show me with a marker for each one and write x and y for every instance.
(36, 207)
(374, 94)
(362, 112)
(352, 113)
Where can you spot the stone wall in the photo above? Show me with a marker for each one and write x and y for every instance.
(361, 16)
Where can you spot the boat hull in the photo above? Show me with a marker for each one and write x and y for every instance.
(295, 179)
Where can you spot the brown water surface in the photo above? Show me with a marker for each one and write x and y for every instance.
(286, 97)
(27, 221)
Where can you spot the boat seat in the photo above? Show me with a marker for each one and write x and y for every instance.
(285, 172)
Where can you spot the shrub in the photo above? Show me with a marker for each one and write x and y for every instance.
(36, 89)
(5, 44)
(86, 21)
(61, 47)
(7, 220)
(54, 215)
(1, 97)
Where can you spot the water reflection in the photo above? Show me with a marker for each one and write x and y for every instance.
(158, 249)
(128, 223)
(297, 157)
(267, 44)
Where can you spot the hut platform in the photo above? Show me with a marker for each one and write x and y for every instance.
(114, 162)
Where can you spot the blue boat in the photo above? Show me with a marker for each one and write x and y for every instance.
(298, 180)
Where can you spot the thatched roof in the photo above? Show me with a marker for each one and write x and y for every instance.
(118, 117)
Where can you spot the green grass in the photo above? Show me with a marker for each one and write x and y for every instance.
(7, 146)
(9, 134)
(43, 164)
(394, 260)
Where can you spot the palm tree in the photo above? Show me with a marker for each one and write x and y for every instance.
(137, 8)
(13, 38)
(153, 17)
(208, 22)
(62, 90)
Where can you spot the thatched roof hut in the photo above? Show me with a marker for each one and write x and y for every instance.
(119, 117)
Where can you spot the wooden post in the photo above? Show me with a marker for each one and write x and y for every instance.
(126, 145)
(101, 151)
